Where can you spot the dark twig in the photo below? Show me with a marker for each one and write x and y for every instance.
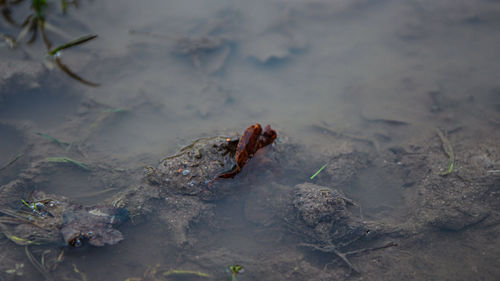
(11, 162)
(330, 248)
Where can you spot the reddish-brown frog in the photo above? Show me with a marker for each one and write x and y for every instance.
(250, 142)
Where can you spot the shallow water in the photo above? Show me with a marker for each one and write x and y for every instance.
(387, 72)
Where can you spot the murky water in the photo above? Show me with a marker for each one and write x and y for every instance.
(374, 76)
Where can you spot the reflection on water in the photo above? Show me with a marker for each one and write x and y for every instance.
(362, 85)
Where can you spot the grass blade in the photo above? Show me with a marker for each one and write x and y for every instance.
(33, 27)
(46, 40)
(51, 138)
(319, 171)
(15, 239)
(185, 272)
(38, 265)
(64, 68)
(70, 44)
(67, 160)
(82, 274)
(115, 109)
(7, 15)
(448, 149)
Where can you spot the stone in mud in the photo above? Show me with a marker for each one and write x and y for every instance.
(325, 215)
(456, 219)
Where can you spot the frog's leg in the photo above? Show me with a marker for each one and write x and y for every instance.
(231, 173)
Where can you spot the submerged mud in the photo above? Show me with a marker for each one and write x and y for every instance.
(320, 219)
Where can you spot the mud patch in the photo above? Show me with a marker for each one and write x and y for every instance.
(41, 106)
(72, 182)
(10, 142)
(11, 145)
(377, 191)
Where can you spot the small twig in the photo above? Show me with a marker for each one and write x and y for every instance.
(100, 192)
(11, 162)
(332, 249)
(355, 252)
(343, 256)
(331, 132)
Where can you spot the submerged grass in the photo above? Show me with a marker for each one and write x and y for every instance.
(152, 273)
(67, 160)
(70, 44)
(185, 272)
(51, 138)
(115, 109)
(105, 115)
(82, 274)
(41, 268)
(340, 133)
(73, 75)
(97, 193)
(18, 240)
(36, 23)
(448, 149)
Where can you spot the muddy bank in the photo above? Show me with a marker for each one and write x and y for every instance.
(324, 226)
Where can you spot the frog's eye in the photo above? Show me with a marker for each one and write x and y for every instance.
(77, 242)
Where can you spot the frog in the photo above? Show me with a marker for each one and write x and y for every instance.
(252, 140)
(42, 219)
(183, 187)
(199, 168)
